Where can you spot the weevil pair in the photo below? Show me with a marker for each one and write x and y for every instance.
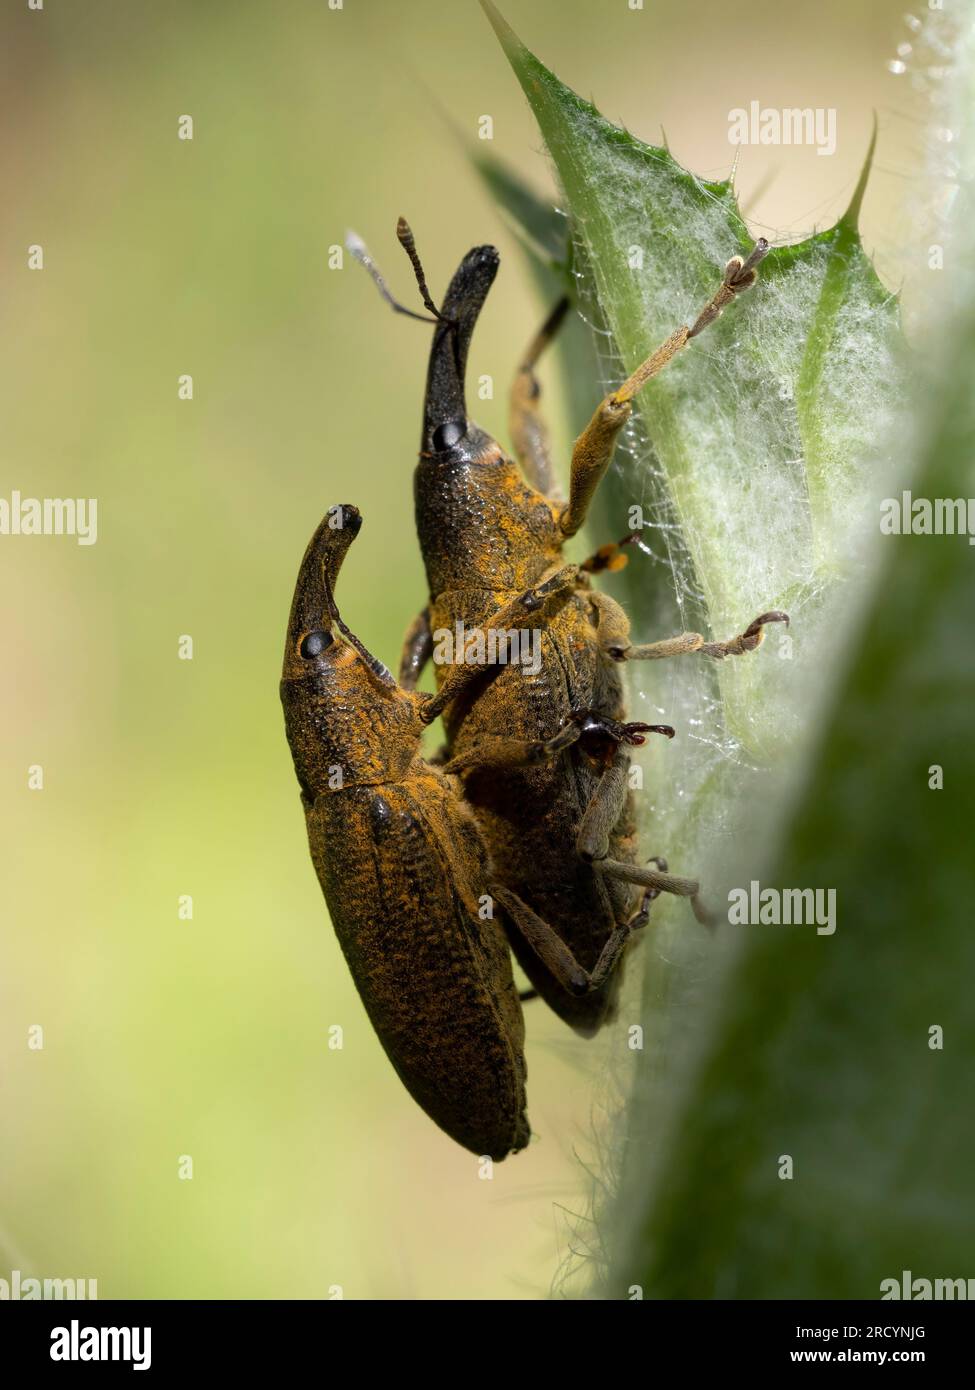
(524, 833)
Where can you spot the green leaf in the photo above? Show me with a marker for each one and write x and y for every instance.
(819, 1047)
(774, 439)
(762, 434)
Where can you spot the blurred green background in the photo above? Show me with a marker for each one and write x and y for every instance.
(162, 777)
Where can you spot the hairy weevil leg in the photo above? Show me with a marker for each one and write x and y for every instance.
(525, 995)
(609, 799)
(529, 435)
(681, 645)
(591, 456)
(496, 751)
(687, 642)
(752, 637)
(556, 956)
(641, 917)
(559, 579)
(417, 650)
(552, 951)
(604, 809)
(594, 447)
(662, 882)
(500, 752)
(599, 735)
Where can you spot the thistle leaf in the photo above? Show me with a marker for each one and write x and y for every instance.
(774, 437)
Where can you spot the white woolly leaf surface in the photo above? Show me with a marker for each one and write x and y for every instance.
(773, 438)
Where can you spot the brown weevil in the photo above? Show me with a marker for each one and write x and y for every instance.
(542, 749)
(403, 869)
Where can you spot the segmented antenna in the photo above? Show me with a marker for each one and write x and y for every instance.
(408, 243)
(357, 247)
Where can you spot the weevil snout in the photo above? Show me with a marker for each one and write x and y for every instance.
(315, 621)
(347, 720)
(445, 419)
(311, 622)
(447, 428)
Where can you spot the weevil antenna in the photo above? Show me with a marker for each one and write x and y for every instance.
(357, 247)
(407, 240)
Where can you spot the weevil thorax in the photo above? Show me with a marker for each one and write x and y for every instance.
(480, 526)
(348, 723)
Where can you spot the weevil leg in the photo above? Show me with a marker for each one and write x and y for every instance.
(559, 580)
(601, 736)
(591, 456)
(752, 637)
(529, 435)
(526, 994)
(604, 809)
(500, 752)
(686, 642)
(641, 917)
(552, 951)
(417, 649)
(594, 448)
(610, 557)
(662, 882)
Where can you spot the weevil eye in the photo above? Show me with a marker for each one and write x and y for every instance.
(314, 643)
(447, 435)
